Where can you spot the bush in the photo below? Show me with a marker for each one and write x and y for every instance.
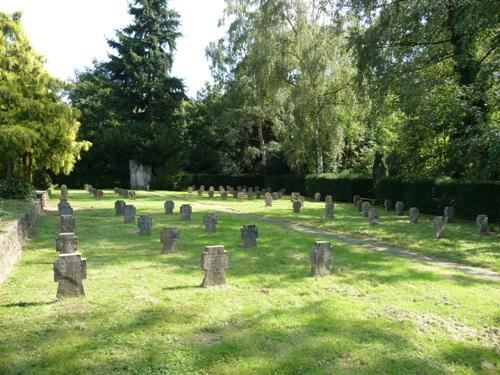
(16, 188)
(342, 187)
(291, 183)
(41, 180)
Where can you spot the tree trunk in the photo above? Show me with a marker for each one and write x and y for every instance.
(262, 143)
(319, 147)
(29, 168)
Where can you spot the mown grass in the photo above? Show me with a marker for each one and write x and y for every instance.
(146, 314)
(11, 210)
(461, 243)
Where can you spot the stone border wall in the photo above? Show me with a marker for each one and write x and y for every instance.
(14, 235)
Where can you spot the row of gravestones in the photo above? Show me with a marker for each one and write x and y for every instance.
(438, 222)
(69, 268)
(215, 258)
(240, 193)
(96, 193)
(128, 194)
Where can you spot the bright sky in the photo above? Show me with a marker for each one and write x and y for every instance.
(70, 33)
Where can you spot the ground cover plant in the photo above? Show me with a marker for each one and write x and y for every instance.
(146, 314)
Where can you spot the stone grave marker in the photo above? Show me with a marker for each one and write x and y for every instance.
(328, 199)
(67, 243)
(296, 206)
(64, 193)
(66, 224)
(373, 218)
(317, 197)
(120, 208)
(482, 224)
(185, 211)
(241, 196)
(301, 200)
(214, 260)
(388, 205)
(413, 214)
(190, 190)
(223, 195)
(145, 223)
(321, 257)
(438, 224)
(169, 236)
(249, 234)
(129, 214)
(211, 192)
(210, 222)
(64, 208)
(69, 271)
(169, 207)
(329, 207)
(269, 200)
(360, 206)
(449, 213)
(400, 206)
(355, 200)
(365, 207)
(98, 194)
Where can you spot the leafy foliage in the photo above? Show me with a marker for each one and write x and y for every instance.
(16, 188)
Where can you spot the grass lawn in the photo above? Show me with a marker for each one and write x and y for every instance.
(146, 314)
(11, 210)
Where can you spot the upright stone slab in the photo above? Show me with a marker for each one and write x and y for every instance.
(66, 224)
(64, 193)
(130, 194)
(190, 190)
(365, 207)
(268, 199)
(169, 237)
(200, 192)
(214, 260)
(482, 224)
(169, 207)
(221, 189)
(355, 200)
(301, 200)
(202, 188)
(210, 222)
(360, 206)
(317, 197)
(329, 207)
(241, 196)
(235, 194)
(373, 218)
(296, 206)
(129, 214)
(294, 196)
(251, 195)
(413, 214)
(400, 206)
(388, 205)
(223, 195)
(145, 223)
(69, 271)
(274, 195)
(185, 211)
(438, 224)
(321, 258)
(64, 208)
(449, 213)
(98, 194)
(211, 192)
(67, 243)
(249, 234)
(328, 199)
(120, 208)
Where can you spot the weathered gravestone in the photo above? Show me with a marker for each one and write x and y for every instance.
(250, 189)
(388, 205)
(269, 200)
(64, 208)
(400, 206)
(438, 224)
(66, 224)
(294, 196)
(67, 243)
(482, 224)
(238, 188)
(258, 194)
(223, 195)
(221, 188)
(210, 223)
(328, 199)
(129, 214)
(214, 260)
(360, 206)
(241, 196)
(169, 237)
(449, 213)
(120, 208)
(329, 207)
(64, 193)
(301, 200)
(130, 194)
(321, 257)
(274, 195)
(211, 192)
(355, 200)
(190, 190)
(98, 194)
(251, 195)
(69, 271)
(296, 206)
(185, 211)
(145, 223)
(200, 192)
(317, 197)
(365, 207)
(373, 218)
(413, 214)
(169, 207)
(249, 234)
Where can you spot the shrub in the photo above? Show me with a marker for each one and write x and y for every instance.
(343, 188)
(41, 180)
(16, 188)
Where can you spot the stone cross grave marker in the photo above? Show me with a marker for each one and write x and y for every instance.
(241, 196)
(413, 214)
(301, 200)
(268, 199)
(321, 257)
(328, 199)
(169, 237)
(66, 224)
(129, 214)
(400, 206)
(169, 207)
(67, 243)
(210, 222)
(214, 260)
(373, 218)
(185, 211)
(211, 192)
(388, 205)
(329, 207)
(223, 195)
(360, 206)
(296, 206)
(145, 223)
(365, 207)
(64, 208)
(120, 208)
(438, 224)
(249, 234)
(190, 190)
(317, 197)
(69, 271)
(355, 200)
(482, 224)
(64, 193)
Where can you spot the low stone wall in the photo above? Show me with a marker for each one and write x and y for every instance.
(13, 236)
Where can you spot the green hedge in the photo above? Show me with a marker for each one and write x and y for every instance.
(341, 188)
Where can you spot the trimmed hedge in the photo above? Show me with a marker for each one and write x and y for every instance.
(341, 188)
